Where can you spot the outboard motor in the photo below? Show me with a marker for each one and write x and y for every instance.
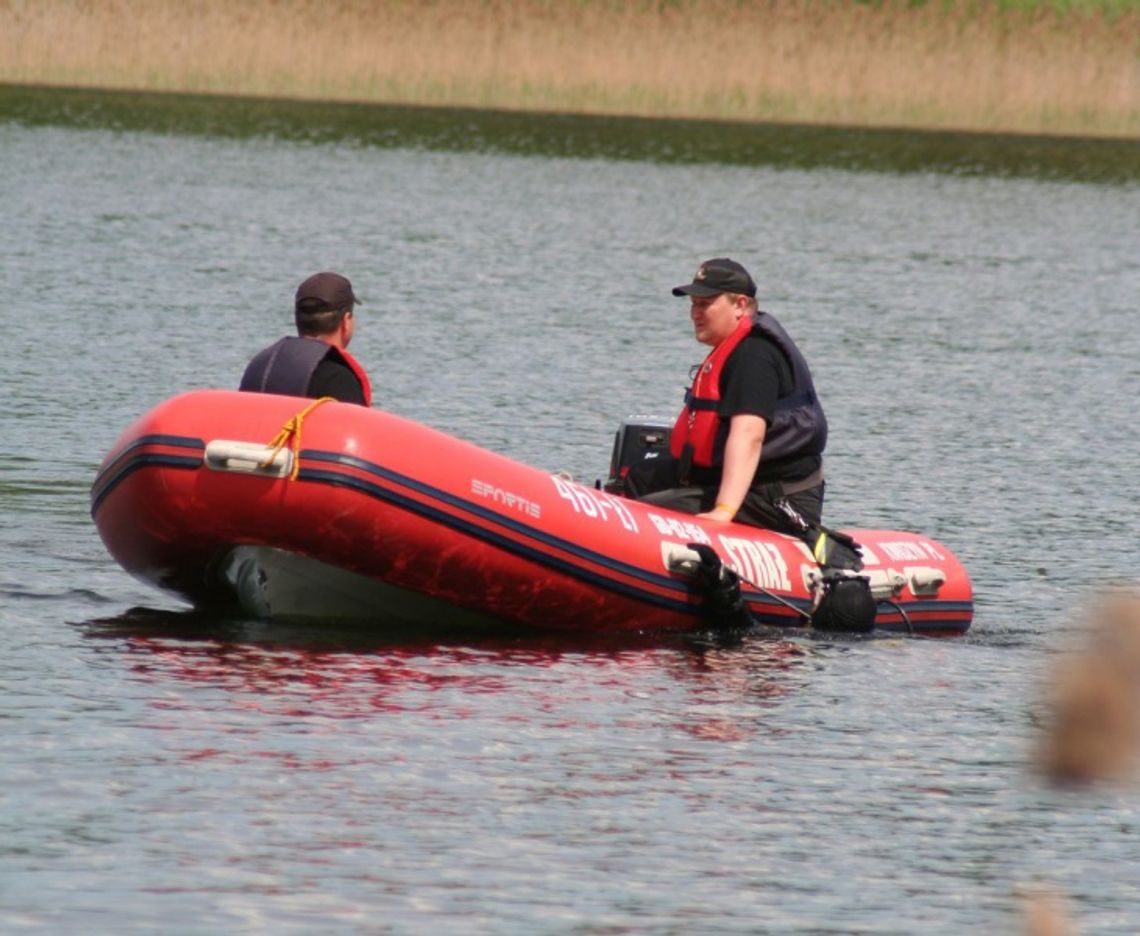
(641, 454)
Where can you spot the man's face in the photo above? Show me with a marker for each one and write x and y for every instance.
(715, 317)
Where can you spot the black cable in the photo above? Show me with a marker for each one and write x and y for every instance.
(787, 604)
(898, 608)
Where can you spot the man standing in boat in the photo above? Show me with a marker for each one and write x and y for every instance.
(748, 444)
(316, 363)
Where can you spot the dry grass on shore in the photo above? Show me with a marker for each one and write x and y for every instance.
(967, 66)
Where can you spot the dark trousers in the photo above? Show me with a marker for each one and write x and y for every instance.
(759, 507)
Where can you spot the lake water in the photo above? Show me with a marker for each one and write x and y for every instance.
(972, 324)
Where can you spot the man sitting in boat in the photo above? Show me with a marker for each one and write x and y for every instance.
(748, 444)
(316, 363)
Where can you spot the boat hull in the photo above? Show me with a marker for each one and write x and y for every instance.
(387, 518)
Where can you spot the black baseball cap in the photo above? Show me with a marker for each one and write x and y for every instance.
(325, 291)
(716, 276)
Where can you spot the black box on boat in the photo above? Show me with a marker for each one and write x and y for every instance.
(640, 444)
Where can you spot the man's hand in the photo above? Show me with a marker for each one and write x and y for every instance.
(721, 513)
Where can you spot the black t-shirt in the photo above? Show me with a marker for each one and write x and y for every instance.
(335, 378)
(755, 376)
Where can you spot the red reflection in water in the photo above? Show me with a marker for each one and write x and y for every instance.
(290, 675)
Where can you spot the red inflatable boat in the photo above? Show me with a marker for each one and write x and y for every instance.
(299, 508)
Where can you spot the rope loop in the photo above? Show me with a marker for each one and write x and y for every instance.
(292, 428)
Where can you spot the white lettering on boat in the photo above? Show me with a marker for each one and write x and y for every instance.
(511, 501)
(598, 505)
(905, 549)
(682, 529)
(759, 563)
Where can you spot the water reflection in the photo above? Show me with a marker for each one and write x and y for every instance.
(350, 671)
(1114, 161)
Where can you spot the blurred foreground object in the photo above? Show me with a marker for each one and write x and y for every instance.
(1047, 915)
(1093, 733)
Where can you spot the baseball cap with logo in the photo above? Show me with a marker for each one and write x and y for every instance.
(716, 276)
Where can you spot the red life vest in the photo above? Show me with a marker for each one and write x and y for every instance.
(697, 423)
(799, 426)
(355, 367)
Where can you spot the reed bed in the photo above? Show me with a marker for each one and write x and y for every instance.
(966, 64)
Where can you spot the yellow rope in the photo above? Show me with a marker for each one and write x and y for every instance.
(292, 428)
